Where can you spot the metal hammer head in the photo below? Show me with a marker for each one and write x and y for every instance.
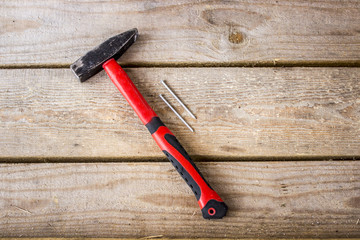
(91, 63)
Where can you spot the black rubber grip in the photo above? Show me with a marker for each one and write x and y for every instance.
(171, 139)
(185, 175)
(214, 207)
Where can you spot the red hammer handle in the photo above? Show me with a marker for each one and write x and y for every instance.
(212, 206)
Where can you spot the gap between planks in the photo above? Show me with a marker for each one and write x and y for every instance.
(214, 159)
(161, 237)
(265, 64)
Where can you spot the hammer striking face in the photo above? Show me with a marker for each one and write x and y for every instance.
(91, 63)
(103, 56)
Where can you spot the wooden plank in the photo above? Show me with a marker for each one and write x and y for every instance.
(242, 112)
(266, 199)
(59, 32)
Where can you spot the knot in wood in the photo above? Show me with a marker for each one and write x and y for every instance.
(236, 37)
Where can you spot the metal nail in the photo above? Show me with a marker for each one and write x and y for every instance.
(176, 113)
(181, 103)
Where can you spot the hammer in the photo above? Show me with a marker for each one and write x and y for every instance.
(104, 57)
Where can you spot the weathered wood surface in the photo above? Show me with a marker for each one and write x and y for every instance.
(242, 112)
(155, 237)
(266, 199)
(58, 32)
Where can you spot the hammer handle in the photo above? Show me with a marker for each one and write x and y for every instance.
(212, 206)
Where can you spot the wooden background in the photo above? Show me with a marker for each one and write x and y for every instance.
(275, 86)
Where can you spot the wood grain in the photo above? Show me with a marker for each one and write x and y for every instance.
(242, 112)
(59, 32)
(266, 199)
(153, 237)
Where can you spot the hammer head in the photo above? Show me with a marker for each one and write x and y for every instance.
(91, 63)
